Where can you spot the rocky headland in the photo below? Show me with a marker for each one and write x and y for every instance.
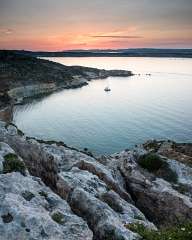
(23, 76)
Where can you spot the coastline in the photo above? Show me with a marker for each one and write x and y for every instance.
(132, 52)
(53, 191)
(23, 77)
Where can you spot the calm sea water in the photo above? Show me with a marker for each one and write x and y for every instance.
(137, 109)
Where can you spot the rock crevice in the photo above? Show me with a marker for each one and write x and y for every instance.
(105, 194)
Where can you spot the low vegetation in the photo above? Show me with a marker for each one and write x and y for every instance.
(152, 162)
(155, 164)
(180, 232)
(43, 194)
(28, 195)
(12, 163)
(58, 217)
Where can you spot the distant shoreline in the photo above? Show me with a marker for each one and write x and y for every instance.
(23, 76)
(140, 52)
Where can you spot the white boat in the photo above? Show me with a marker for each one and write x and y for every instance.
(107, 89)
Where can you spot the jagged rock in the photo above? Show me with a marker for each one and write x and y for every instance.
(127, 212)
(103, 220)
(184, 177)
(64, 168)
(22, 217)
(69, 180)
(183, 171)
(27, 207)
(178, 158)
(155, 197)
(52, 158)
(93, 188)
(105, 175)
(103, 191)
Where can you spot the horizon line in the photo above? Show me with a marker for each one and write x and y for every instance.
(99, 49)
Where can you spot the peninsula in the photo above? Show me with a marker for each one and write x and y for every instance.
(23, 76)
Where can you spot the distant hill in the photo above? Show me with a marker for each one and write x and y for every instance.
(134, 52)
(24, 75)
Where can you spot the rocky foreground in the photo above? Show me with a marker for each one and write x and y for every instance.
(23, 76)
(51, 191)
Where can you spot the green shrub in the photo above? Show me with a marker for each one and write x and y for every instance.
(181, 232)
(12, 163)
(58, 217)
(152, 162)
(155, 164)
(43, 194)
(28, 195)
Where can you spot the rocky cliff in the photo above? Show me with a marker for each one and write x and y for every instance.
(51, 191)
(24, 76)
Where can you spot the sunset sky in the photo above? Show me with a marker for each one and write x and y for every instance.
(88, 24)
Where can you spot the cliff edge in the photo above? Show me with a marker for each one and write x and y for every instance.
(51, 191)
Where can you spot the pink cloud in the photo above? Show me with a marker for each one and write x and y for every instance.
(6, 31)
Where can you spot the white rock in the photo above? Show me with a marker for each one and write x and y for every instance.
(32, 218)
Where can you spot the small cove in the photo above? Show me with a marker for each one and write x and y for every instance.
(138, 108)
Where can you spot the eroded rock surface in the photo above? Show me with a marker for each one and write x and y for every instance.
(30, 210)
(106, 193)
(86, 184)
(158, 199)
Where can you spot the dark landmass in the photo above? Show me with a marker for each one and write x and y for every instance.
(134, 52)
(22, 75)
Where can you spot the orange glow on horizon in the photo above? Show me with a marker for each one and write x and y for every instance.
(63, 25)
(128, 37)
